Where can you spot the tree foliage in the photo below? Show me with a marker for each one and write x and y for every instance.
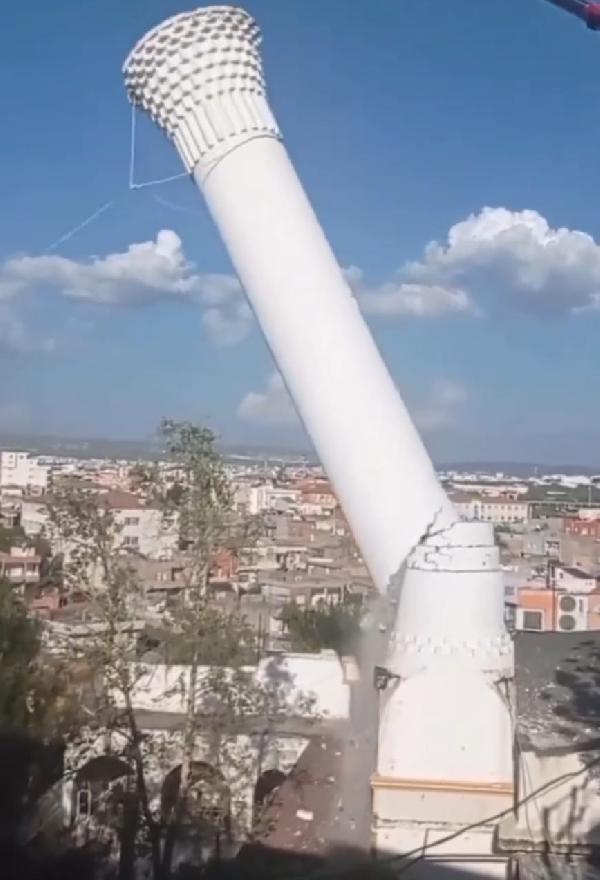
(33, 690)
(11, 536)
(210, 646)
(325, 625)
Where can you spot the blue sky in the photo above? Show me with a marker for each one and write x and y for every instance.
(404, 118)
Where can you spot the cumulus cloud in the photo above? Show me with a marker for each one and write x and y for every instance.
(442, 405)
(228, 326)
(400, 298)
(515, 256)
(14, 336)
(271, 407)
(146, 272)
(12, 331)
(513, 259)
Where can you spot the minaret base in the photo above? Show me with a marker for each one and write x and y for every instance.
(445, 764)
(412, 832)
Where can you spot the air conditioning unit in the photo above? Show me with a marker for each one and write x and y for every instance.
(572, 613)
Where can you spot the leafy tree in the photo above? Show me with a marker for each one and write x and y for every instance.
(326, 625)
(33, 690)
(210, 646)
(200, 501)
(36, 710)
(11, 537)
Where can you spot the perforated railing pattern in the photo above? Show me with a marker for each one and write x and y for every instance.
(199, 77)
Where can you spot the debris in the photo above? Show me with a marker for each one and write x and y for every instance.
(305, 815)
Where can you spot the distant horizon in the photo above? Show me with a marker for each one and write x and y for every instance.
(60, 444)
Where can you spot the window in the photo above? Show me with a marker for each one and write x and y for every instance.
(132, 521)
(532, 620)
(131, 541)
(84, 802)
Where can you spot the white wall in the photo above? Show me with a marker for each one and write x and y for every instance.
(34, 518)
(144, 531)
(23, 470)
(294, 679)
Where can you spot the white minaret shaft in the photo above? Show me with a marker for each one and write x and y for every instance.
(199, 75)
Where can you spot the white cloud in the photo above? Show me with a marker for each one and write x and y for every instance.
(146, 272)
(271, 407)
(403, 298)
(442, 405)
(515, 256)
(12, 332)
(228, 326)
(149, 270)
(15, 337)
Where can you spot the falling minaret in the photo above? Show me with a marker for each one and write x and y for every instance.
(445, 740)
(199, 76)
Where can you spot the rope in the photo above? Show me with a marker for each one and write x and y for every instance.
(183, 209)
(79, 227)
(132, 184)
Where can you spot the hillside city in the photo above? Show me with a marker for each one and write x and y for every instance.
(281, 608)
(548, 529)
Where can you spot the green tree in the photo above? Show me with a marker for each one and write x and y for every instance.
(10, 537)
(33, 689)
(200, 501)
(325, 625)
(212, 647)
(36, 711)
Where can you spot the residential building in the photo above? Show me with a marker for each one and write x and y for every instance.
(582, 526)
(143, 528)
(20, 566)
(23, 471)
(499, 510)
(35, 517)
(567, 601)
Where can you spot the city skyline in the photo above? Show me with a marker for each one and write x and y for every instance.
(406, 133)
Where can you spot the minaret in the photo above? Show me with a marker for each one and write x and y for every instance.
(445, 730)
(199, 76)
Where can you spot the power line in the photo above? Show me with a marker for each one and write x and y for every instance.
(420, 853)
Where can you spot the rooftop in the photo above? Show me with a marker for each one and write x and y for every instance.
(558, 691)
(576, 572)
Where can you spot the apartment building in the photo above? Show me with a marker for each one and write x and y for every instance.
(142, 528)
(582, 526)
(567, 601)
(20, 566)
(498, 510)
(23, 471)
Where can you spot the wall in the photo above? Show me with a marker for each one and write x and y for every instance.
(242, 759)
(582, 527)
(586, 611)
(20, 469)
(294, 680)
(563, 814)
(144, 531)
(34, 518)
